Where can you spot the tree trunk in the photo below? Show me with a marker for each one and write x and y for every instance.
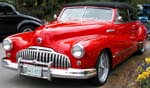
(39, 2)
(19, 3)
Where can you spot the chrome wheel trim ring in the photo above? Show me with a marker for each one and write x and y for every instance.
(103, 67)
(27, 29)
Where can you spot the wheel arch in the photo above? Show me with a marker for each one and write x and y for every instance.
(110, 56)
(141, 39)
(95, 80)
(141, 33)
(28, 22)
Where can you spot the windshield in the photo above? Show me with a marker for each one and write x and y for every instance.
(100, 14)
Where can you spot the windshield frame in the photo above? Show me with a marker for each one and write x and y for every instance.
(86, 7)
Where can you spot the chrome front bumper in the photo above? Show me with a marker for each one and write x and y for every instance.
(48, 73)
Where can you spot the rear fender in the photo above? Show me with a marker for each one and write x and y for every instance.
(141, 33)
(24, 22)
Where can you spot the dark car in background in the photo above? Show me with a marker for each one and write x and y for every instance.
(144, 16)
(144, 12)
(148, 30)
(11, 21)
(145, 20)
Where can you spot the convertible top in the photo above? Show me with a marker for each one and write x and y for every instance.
(102, 4)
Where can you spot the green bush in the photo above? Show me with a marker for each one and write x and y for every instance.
(29, 3)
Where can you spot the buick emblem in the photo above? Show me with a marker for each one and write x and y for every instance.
(39, 40)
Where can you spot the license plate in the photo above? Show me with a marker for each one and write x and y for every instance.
(34, 70)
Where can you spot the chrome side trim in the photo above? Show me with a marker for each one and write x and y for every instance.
(110, 30)
(123, 51)
(51, 72)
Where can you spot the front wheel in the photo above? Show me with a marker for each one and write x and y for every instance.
(102, 68)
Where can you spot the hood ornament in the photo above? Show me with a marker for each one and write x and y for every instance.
(39, 40)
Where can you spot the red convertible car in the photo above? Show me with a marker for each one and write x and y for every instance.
(87, 40)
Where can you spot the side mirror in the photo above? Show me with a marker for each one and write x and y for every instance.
(119, 19)
(55, 16)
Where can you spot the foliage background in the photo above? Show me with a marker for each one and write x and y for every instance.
(45, 9)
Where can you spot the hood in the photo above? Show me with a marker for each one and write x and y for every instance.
(59, 33)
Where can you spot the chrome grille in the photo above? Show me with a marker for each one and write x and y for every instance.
(45, 55)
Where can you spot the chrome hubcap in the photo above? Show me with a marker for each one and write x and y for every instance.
(27, 30)
(103, 68)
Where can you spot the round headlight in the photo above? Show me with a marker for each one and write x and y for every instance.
(7, 44)
(77, 51)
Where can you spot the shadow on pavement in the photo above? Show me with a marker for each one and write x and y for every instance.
(29, 82)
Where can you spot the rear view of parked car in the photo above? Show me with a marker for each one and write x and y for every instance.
(11, 21)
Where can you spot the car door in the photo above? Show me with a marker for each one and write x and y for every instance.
(123, 27)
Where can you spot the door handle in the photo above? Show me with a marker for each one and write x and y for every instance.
(110, 30)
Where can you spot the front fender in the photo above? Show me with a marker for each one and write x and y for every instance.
(28, 22)
(19, 41)
(93, 47)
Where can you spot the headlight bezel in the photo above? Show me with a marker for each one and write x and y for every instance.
(8, 46)
(77, 51)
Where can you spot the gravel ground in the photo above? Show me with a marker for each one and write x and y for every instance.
(124, 75)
